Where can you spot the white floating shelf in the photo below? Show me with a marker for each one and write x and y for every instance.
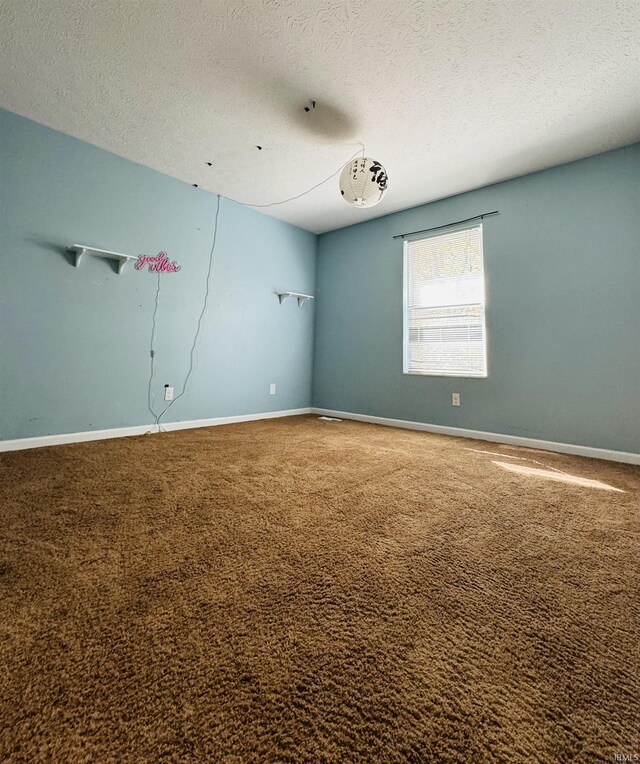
(302, 298)
(83, 249)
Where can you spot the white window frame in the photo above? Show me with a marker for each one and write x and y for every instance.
(405, 308)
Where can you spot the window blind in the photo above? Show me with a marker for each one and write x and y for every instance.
(444, 329)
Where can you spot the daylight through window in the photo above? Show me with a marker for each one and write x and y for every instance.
(444, 313)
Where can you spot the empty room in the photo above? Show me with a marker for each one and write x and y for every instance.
(319, 381)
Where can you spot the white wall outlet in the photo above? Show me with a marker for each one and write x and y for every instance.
(455, 399)
(272, 388)
(168, 393)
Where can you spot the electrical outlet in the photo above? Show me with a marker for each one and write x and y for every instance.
(272, 388)
(455, 399)
(168, 393)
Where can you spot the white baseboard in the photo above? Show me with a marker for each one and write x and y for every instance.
(139, 429)
(513, 440)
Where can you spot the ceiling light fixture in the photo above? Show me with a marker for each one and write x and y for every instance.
(363, 182)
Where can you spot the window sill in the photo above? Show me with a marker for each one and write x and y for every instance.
(444, 374)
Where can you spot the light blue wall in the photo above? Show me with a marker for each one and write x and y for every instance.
(563, 286)
(562, 263)
(74, 342)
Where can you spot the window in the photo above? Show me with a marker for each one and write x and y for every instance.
(444, 326)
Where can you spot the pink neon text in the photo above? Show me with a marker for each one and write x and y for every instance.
(158, 264)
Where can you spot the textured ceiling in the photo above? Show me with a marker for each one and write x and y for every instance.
(449, 95)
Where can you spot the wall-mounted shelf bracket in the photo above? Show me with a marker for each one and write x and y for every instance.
(302, 298)
(83, 249)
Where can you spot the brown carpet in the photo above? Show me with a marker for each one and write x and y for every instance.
(303, 591)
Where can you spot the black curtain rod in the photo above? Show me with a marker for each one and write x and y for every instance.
(447, 225)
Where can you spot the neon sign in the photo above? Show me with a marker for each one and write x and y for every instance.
(159, 263)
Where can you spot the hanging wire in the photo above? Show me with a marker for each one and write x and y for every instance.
(194, 346)
(159, 416)
(304, 193)
(152, 353)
